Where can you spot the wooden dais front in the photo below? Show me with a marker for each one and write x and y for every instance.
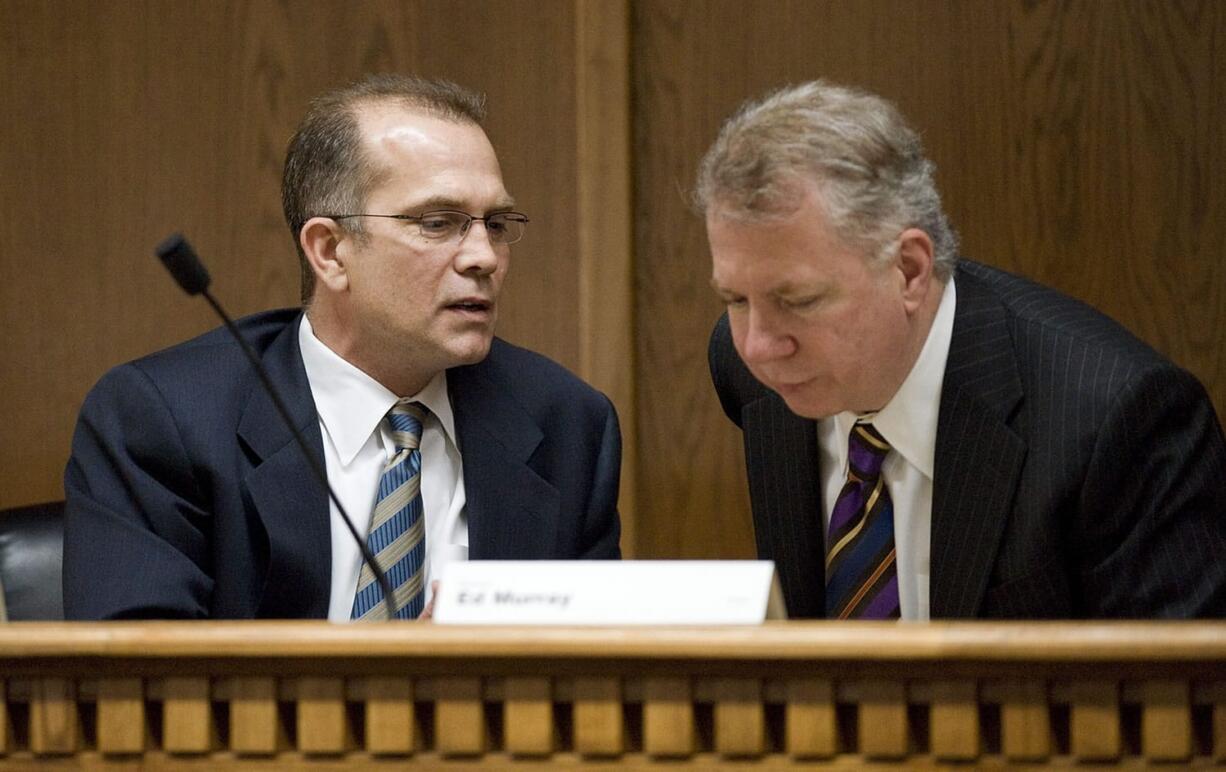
(795, 695)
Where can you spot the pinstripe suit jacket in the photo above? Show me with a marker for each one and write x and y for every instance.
(1078, 473)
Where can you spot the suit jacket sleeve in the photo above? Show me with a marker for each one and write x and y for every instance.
(602, 526)
(1157, 485)
(136, 529)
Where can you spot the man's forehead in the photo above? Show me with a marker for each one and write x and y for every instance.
(401, 126)
(779, 284)
(760, 266)
(498, 200)
(451, 161)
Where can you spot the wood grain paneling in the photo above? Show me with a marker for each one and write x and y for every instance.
(606, 223)
(130, 119)
(1078, 143)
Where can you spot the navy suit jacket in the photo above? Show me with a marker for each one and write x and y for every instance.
(1077, 474)
(187, 497)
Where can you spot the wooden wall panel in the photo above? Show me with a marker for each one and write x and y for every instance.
(130, 119)
(1079, 143)
(605, 218)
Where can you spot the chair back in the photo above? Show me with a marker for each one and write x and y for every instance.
(31, 561)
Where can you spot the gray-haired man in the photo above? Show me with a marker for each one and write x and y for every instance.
(927, 437)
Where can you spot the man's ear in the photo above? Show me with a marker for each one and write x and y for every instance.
(322, 239)
(916, 260)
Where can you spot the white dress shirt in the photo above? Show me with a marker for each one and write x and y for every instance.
(358, 444)
(909, 423)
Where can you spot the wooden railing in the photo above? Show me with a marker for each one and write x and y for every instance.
(850, 695)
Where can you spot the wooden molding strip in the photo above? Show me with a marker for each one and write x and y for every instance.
(605, 223)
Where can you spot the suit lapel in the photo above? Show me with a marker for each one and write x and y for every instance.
(291, 505)
(785, 491)
(978, 456)
(512, 511)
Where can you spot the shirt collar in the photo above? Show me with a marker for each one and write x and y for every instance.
(351, 404)
(909, 420)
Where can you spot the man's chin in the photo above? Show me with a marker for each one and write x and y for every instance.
(470, 352)
(805, 404)
(807, 399)
(805, 410)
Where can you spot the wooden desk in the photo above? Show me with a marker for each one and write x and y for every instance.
(795, 695)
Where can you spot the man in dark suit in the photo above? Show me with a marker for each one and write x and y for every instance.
(933, 438)
(187, 497)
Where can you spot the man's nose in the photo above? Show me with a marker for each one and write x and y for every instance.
(477, 253)
(764, 339)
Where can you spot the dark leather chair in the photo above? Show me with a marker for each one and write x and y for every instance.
(31, 561)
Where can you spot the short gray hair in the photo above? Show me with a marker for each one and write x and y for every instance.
(868, 163)
(326, 170)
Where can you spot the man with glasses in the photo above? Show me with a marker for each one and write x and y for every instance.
(928, 437)
(186, 497)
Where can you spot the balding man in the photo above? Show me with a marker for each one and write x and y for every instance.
(186, 496)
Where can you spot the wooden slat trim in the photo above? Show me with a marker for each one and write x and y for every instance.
(528, 716)
(954, 720)
(1218, 752)
(740, 718)
(255, 725)
(323, 724)
(668, 717)
(1166, 720)
(6, 720)
(810, 718)
(1100, 644)
(1094, 726)
(459, 717)
(54, 719)
(598, 716)
(699, 708)
(1025, 721)
(882, 719)
(390, 716)
(188, 723)
(605, 224)
(122, 727)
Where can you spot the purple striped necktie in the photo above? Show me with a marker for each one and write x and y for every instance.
(861, 572)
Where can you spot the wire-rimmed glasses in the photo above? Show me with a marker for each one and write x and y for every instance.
(449, 224)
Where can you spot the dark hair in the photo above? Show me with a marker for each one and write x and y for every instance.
(325, 165)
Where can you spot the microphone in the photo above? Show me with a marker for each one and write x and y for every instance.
(181, 260)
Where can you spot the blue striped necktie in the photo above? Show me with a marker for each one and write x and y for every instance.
(397, 535)
(861, 571)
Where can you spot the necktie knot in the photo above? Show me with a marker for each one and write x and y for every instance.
(866, 451)
(406, 419)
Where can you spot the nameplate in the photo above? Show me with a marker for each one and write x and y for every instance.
(608, 592)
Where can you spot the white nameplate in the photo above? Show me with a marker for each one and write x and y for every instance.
(608, 592)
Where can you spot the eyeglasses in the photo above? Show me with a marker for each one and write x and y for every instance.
(449, 224)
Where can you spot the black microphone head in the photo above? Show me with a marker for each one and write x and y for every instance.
(180, 259)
